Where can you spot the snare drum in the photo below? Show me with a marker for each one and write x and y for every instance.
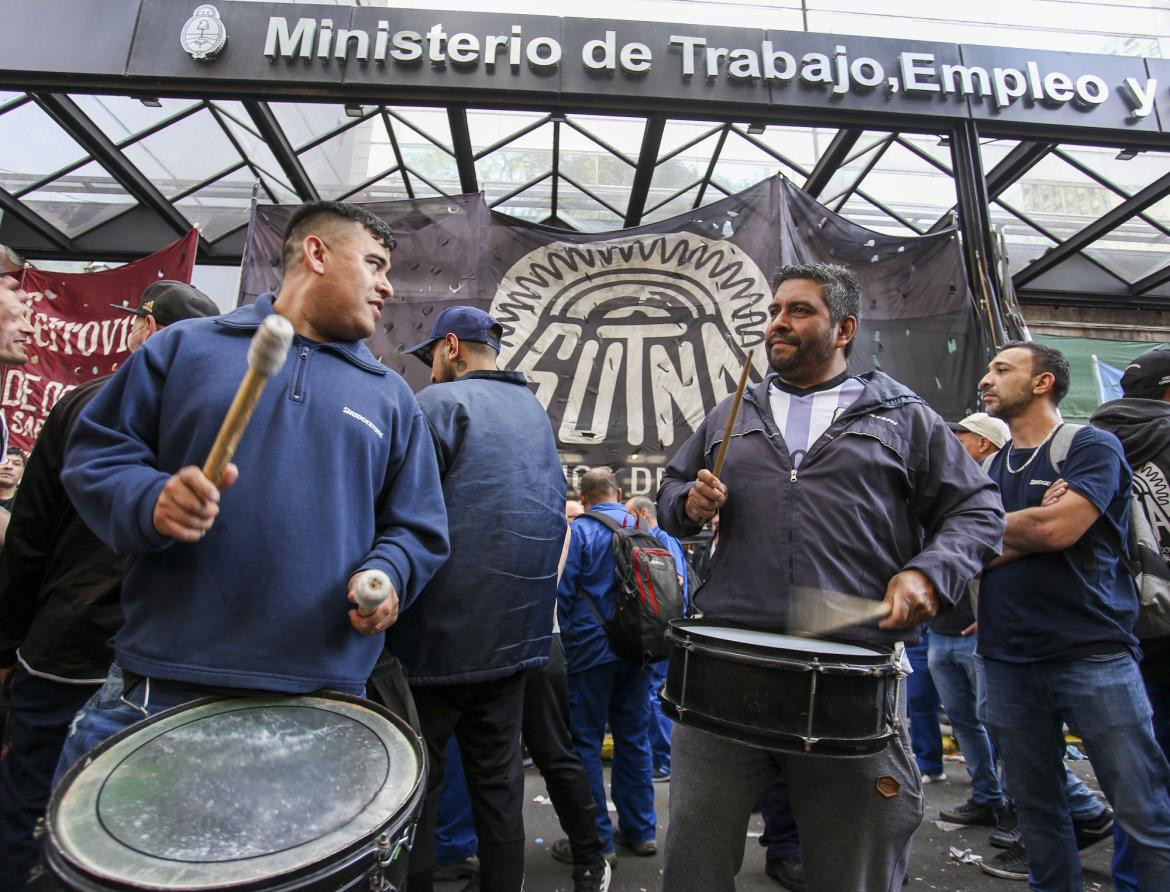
(275, 793)
(781, 692)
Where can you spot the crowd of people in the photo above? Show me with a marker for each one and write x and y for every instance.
(996, 544)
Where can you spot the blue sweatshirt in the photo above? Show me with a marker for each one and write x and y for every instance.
(337, 474)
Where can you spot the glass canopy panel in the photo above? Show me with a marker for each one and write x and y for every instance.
(681, 170)
(533, 204)
(929, 144)
(1160, 211)
(803, 146)
(422, 126)
(7, 98)
(235, 119)
(1130, 176)
(846, 175)
(80, 200)
(1024, 242)
(429, 161)
(993, 151)
(679, 205)
(582, 212)
(219, 207)
(910, 186)
(120, 117)
(864, 213)
(183, 154)
(388, 188)
(743, 163)
(678, 133)
(303, 122)
(517, 163)
(598, 170)
(33, 147)
(1059, 197)
(487, 128)
(343, 163)
(1133, 250)
(623, 134)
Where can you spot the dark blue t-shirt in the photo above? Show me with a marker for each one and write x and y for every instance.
(1063, 604)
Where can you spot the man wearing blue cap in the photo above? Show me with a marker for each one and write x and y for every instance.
(486, 616)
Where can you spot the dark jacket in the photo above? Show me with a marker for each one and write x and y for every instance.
(59, 583)
(488, 612)
(886, 488)
(337, 474)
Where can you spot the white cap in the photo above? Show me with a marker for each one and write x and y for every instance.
(983, 425)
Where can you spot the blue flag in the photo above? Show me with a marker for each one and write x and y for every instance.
(1108, 380)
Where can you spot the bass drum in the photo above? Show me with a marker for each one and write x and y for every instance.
(313, 792)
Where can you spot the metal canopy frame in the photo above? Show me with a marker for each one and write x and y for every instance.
(154, 219)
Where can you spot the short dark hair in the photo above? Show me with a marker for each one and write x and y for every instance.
(16, 450)
(308, 216)
(597, 482)
(840, 288)
(1046, 359)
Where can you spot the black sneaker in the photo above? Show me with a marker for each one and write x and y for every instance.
(788, 872)
(970, 813)
(1007, 831)
(1093, 830)
(593, 879)
(460, 870)
(1010, 864)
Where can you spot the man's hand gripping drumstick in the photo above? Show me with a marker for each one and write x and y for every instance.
(189, 502)
(376, 600)
(708, 494)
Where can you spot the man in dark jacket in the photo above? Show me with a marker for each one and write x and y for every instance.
(1141, 421)
(486, 616)
(59, 604)
(848, 483)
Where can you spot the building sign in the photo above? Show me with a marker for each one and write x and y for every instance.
(356, 53)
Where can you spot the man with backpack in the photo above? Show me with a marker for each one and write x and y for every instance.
(1055, 614)
(1141, 421)
(603, 685)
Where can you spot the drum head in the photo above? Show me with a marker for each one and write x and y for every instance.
(229, 793)
(775, 641)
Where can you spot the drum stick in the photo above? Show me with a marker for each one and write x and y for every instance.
(371, 589)
(815, 612)
(266, 356)
(747, 364)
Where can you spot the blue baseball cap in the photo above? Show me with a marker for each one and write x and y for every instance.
(467, 324)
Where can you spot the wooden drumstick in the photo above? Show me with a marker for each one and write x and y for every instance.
(743, 376)
(266, 356)
(371, 589)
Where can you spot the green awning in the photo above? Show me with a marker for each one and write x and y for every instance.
(1082, 396)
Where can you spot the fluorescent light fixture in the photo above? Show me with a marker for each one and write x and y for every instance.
(151, 102)
(354, 111)
(756, 128)
(1127, 154)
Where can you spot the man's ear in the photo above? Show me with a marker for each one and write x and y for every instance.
(152, 326)
(847, 330)
(452, 343)
(313, 252)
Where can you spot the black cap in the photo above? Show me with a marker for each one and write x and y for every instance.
(1147, 376)
(169, 301)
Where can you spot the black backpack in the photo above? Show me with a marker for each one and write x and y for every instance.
(649, 594)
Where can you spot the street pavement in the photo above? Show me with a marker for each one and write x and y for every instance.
(931, 866)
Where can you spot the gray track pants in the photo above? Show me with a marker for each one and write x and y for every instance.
(852, 837)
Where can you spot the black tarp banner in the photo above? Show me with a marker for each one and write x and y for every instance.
(630, 338)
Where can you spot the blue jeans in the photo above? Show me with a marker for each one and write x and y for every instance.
(956, 676)
(660, 726)
(1124, 867)
(925, 737)
(615, 693)
(455, 838)
(1103, 698)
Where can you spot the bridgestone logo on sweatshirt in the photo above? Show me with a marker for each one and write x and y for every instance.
(346, 410)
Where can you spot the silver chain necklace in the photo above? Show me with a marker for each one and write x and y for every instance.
(1007, 459)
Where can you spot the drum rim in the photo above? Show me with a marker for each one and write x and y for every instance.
(60, 856)
(685, 629)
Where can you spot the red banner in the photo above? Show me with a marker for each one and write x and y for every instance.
(77, 334)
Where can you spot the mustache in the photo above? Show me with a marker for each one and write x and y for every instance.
(779, 339)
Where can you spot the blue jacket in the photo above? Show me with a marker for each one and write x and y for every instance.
(886, 488)
(488, 612)
(589, 567)
(337, 474)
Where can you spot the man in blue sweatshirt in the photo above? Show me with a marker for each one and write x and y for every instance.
(245, 590)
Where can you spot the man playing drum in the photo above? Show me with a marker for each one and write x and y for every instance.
(839, 482)
(246, 591)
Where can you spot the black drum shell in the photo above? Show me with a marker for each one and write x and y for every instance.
(763, 696)
(347, 869)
